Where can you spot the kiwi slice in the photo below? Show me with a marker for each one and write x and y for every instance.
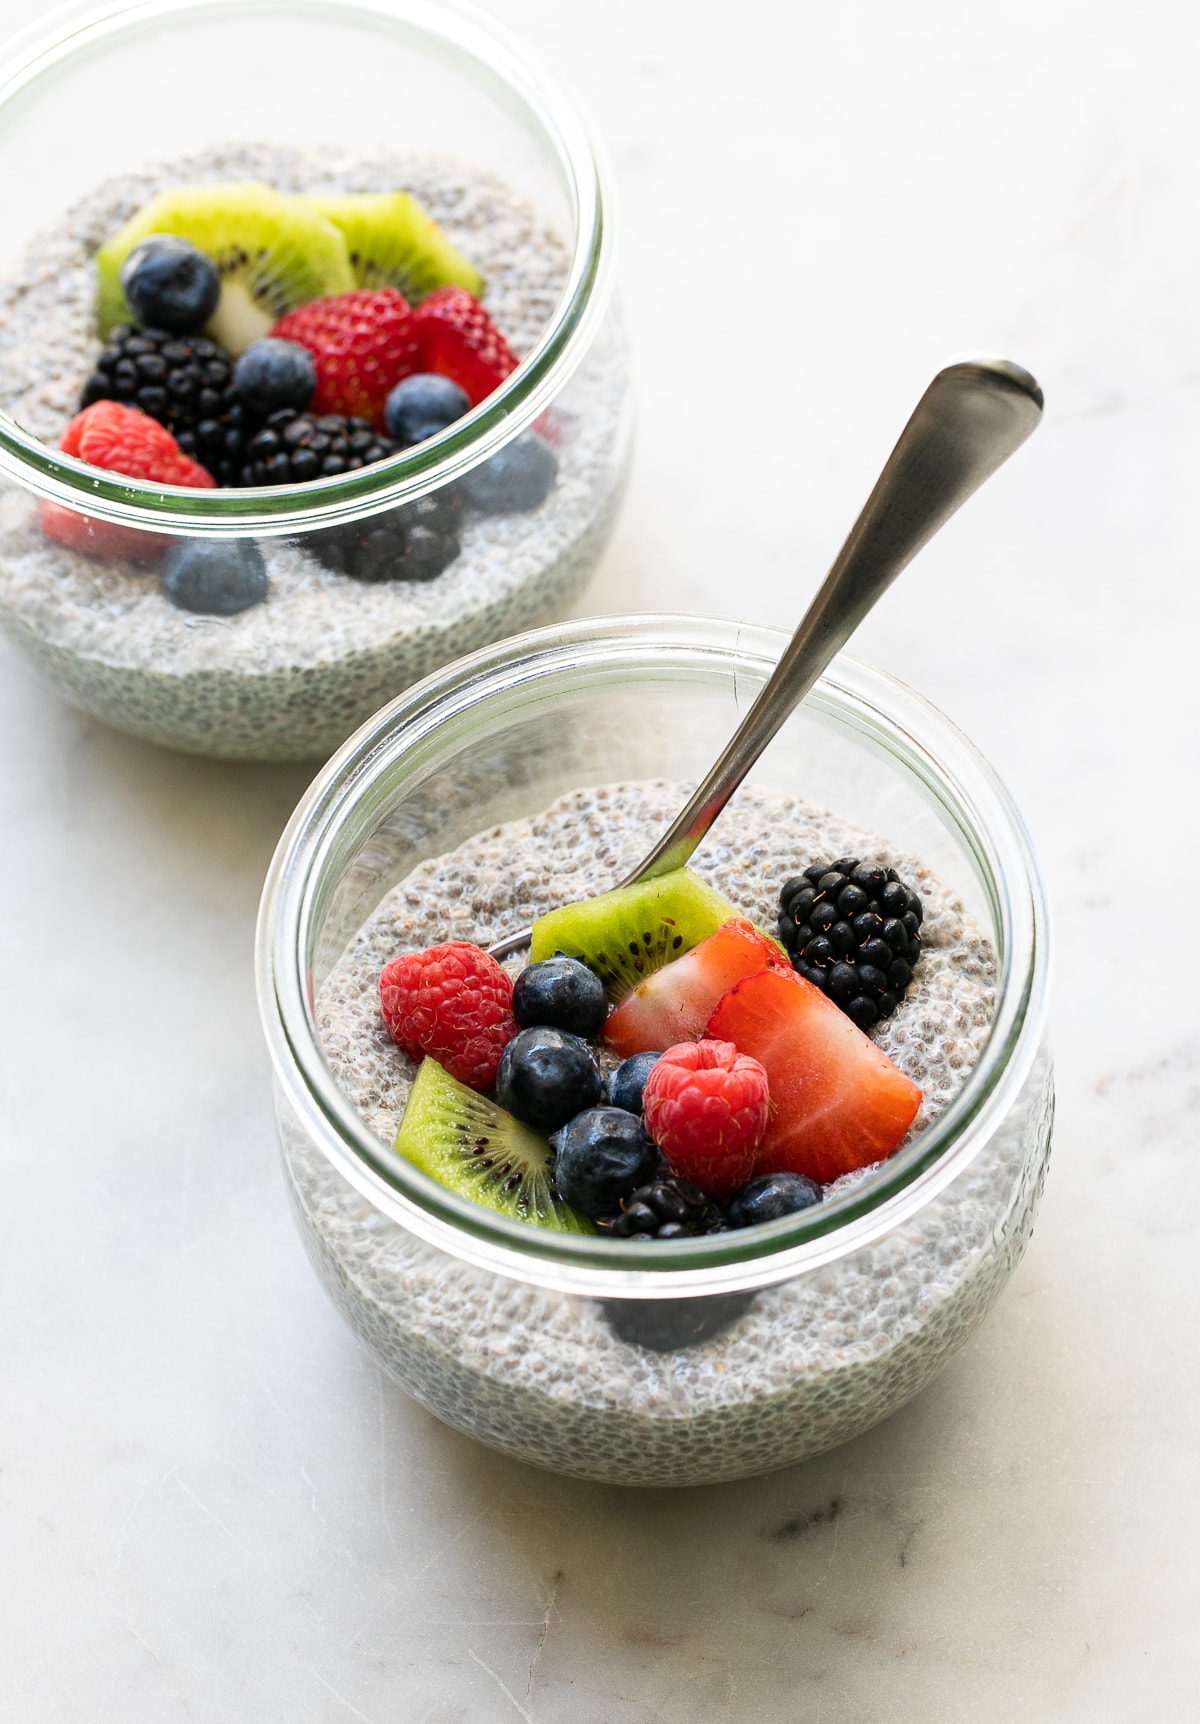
(474, 1148)
(394, 242)
(273, 254)
(624, 936)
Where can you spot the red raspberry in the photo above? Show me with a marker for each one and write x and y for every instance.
(362, 343)
(459, 340)
(706, 1107)
(123, 440)
(453, 1003)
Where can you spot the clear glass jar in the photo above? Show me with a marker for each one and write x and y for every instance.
(317, 84)
(678, 1362)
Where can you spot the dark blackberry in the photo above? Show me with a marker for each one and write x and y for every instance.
(671, 1325)
(412, 543)
(854, 929)
(186, 383)
(667, 1208)
(292, 448)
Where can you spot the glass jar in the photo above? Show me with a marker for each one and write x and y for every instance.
(683, 1361)
(375, 96)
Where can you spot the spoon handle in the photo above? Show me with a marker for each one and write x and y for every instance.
(971, 418)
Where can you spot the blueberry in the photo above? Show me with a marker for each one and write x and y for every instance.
(562, 992)
(603, 1155)
(626, 1084)
(771, 1196)
(217, 577)
(170, 285)
(423, 405)
(273, 374)
(546, 1076)
(518, 477)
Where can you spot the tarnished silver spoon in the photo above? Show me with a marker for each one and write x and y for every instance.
(971, 418)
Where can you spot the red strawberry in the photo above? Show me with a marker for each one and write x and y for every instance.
(459, 340)
(837, 1102)
(362, 343)
(453, 1003)
(706, 1108)
(676, 1002)
(124, 440)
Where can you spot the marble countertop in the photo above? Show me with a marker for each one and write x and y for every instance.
(214, 1507)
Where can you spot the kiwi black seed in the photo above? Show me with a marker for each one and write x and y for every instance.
(627, 934)
(472, 1147)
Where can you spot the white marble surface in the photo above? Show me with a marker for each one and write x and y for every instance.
(213, 1508)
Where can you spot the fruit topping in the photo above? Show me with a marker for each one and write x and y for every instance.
(271, 252)
(517, 478)
(672, 1325)
(186, 383)
(393, 242)
(272, 374)
(292, 448)
(562, 992)
(422, 405)
(706, 1108)
(625, 1087)
(215, 577)
(601, 1157)
(475, 1149)
(453, 1003)
(412, 543)
(170, 285)
(458, 339)
(838, 1102)
(676, 1002)
(772, 1196)
(546, 1076)
(853, 929)
(666, 1207)
(122, 440)
(627, 934)
(362, 344)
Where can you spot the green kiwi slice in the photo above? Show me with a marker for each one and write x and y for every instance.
(394, 242)
(273, 254)
(627, 934)
(476, 1149)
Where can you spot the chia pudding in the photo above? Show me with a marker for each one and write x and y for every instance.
(289, 678)
(668, 1391)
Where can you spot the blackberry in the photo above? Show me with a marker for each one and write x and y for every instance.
(412, 543)
(292, 448)
(853, 929)
(667, 1208)
(186, 383)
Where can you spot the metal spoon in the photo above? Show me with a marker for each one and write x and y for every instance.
(972, 417)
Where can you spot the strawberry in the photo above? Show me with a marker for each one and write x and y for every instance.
(676, 1002)
(706, 1107)
(459, 340)
(122, 440)
(837, 1102)
(453, 1003)
(362, 344)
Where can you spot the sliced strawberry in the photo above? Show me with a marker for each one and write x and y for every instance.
(675, 1003)
(362, 344)
(837, 1102)
(458, 339)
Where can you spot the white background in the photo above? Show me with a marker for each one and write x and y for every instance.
(213, 1508)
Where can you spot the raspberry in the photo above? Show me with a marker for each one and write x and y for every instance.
(123, 440)
(706, 1106)
(459, 340)
(362, 344)
(453, 1003)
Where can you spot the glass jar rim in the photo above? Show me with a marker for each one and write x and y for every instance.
(498, 57)
(888, 717)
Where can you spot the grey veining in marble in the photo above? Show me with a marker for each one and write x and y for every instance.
(213, 1508)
